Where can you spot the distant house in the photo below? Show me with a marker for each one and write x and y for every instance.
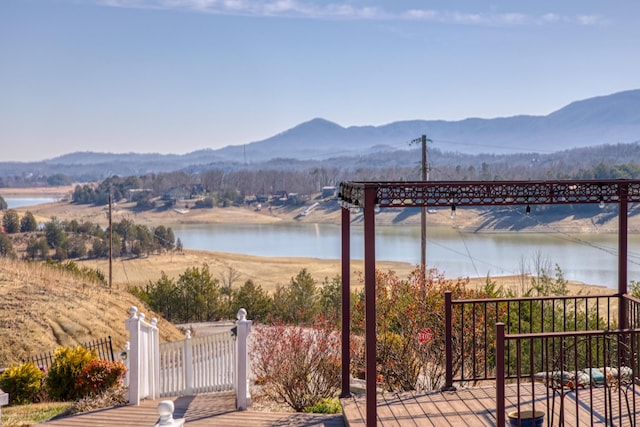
(328, 192)
(293, 199)
(177, 194)
(135, 194)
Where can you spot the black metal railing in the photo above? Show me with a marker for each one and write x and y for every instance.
(103, 348)
(574, 378)
(470, 327)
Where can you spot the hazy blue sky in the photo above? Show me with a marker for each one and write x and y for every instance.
(173, 76)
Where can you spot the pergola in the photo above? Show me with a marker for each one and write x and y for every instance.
(371, 195)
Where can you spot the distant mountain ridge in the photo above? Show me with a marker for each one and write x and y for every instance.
(600, 120)
(609, 119)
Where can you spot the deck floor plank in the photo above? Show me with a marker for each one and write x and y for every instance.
(469, 407)
(199, 411)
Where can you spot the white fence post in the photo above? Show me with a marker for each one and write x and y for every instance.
(4, 400)
(124, 355)
(243, 396)
(188, 364)
(143, 358)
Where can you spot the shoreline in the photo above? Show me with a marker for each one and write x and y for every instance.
(465, 222)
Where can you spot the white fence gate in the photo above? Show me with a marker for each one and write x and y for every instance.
(198, 365)
(201, 364)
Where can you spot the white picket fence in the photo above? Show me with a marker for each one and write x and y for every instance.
(198, 365)
(195, 365)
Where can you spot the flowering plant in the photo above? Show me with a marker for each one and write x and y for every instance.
(99, 375)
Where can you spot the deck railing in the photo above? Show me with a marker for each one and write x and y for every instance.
(589, 377)
(470, 327)
(633, 311)
(565, 355)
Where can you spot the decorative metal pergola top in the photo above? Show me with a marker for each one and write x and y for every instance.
(490, 193)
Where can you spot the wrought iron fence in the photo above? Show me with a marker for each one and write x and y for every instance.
(574, 378)
(103, 348)
(470, 327)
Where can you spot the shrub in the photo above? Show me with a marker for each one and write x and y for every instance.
(298, 366)
(22, 382)
(98, 376)
(67, 364)
(325, 406)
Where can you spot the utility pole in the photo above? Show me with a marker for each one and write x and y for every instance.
(110, 246)
(424, 167)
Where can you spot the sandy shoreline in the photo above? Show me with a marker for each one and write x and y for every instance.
(60, 191)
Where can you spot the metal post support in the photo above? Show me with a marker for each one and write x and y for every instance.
(622, 256)
(370, 302)
(500, 406)
(448, 343)
(346, 303)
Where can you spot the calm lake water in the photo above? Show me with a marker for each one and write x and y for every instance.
(589, 258)
(19, 202)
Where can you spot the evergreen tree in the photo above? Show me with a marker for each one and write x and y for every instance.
(11, 221)
(28, 222)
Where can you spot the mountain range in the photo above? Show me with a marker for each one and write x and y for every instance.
(601, 120)
(609, 119)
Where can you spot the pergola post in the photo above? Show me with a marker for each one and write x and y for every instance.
(622, 255)
(346, 303)
(370, 302)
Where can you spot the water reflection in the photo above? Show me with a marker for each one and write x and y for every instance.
(19, 202)
(590, 258)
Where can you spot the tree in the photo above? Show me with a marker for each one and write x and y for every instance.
(163, 237)
(37, 248)
(304, 298)
(58, 179)
(100, 248)
(6, 246)
(330, 300)
(55, 234)
(28, 222)
(3, 204)
(252, 298)
(77, 246)
(200, 296)
(11, 221)
(162, 296)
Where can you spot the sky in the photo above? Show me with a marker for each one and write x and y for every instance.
(175, 76)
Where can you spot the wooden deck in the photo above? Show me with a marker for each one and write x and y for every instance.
(213, 409)
(469, 407)
(476, 407)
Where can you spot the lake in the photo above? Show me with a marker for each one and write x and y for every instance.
(20, 202)
(589, 258)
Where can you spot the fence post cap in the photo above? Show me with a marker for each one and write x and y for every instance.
(133, 310)
(154, 321)
(165, 410)
(187, 334)
(242, 314)
(141, 316)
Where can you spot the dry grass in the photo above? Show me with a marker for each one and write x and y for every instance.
(43, 308)
(27, 415)
(267, 272)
